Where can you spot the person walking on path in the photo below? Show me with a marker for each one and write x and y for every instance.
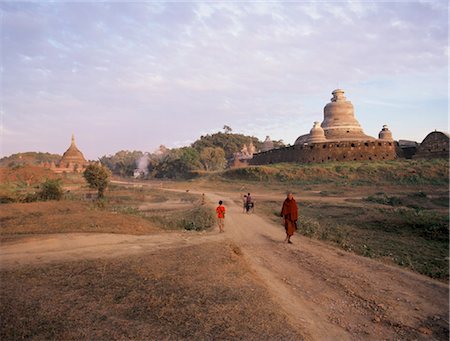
(289, 212)
(220, 210)
(248, 203)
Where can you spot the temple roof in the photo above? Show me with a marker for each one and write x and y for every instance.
(73, 154)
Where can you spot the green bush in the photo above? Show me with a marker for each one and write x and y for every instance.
(419, 194)
(97, 176)
(48, 190)
(198, 218)
(310, 227)
(430, 225)
(7, 199)
(30, 197)
(385, 200)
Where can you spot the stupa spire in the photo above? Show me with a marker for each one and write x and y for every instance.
(73, 154)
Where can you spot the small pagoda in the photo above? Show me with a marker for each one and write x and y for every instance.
(72, 160)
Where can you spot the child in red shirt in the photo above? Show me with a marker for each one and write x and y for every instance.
(220, 210)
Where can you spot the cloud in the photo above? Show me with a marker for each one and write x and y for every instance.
(169, 71)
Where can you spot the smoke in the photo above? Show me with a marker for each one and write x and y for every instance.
(142, 164)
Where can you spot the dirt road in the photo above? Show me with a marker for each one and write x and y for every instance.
(327, 293)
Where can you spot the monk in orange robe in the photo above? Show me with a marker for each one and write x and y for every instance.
(290, 214)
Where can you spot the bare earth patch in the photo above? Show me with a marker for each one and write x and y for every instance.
(195, 292)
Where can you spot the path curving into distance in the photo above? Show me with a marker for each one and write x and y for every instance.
(328, 294)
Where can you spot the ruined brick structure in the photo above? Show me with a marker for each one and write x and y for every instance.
(329, 151)
(267, 144)
(339, 137)
(434, 145)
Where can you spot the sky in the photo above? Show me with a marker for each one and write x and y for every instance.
(135, 75)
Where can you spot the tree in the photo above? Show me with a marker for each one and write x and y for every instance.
(190, 158)
(213, 158)
(50, 190)
(178, 163)
(122, 163)
(97, 176)
(230, 143)
(227, 129)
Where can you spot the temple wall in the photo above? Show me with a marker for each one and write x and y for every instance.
(435, 145)
(64, 168)
(329, 151)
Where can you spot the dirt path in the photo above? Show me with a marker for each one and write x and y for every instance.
(74, 246)
(331, 294)
(327, 293)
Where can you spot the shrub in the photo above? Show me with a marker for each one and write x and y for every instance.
(97, 177)
(418, 195)
(48, 190)
(7, 198)
(199, 218)
(310, 227)
(30, 197)
(385, 200)
(429, 225)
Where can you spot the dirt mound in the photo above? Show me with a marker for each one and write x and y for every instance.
(68, 216)
(27, 174)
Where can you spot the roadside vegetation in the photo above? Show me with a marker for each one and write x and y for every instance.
(409, 229)
(168, 210)
(35, 200)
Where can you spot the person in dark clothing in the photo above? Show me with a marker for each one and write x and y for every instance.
(248, 203)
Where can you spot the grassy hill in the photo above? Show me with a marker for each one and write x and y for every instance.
(408, 172)
(30, 158)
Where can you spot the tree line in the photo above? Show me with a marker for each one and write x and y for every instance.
(208, 153)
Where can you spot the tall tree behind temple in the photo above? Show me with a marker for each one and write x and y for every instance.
(122, 163)
(213, 158)
(177, 163)
(230, 143)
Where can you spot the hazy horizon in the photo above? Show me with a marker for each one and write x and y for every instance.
(133, 76)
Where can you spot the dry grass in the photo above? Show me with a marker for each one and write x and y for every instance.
(166, 209)
(67, 216)
(406, 227)
(122, 211)
(170, 295)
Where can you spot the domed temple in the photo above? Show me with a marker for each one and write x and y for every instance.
(339, 123)
(339, 137)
